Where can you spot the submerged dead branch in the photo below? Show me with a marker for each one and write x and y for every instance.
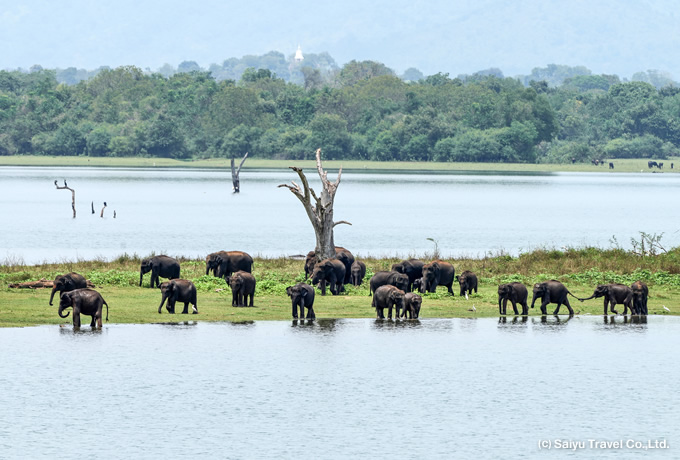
(73, 195)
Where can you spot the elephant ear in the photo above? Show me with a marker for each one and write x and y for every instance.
(436, 267)
(303, 292)
(289, 291)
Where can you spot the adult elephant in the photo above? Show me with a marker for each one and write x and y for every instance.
(552, 292)
(640, 295)
(382, 278)
(467, 281)
(331, 272)
(66, 283)
(389, 297)
(301, 296)
(342, 254)
(613, 294)
(437, 273)
(516, 293)
(159, 266)
(412, 304)
(224, 263)
(84, 301)
(357, 273)
(178, 290)
(651, 164)
(242, 286)
(413, 268)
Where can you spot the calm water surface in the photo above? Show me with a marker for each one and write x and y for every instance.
(193, 212)
(435, 388)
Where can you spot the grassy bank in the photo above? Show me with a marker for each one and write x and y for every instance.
(636, 165)
(579, 269)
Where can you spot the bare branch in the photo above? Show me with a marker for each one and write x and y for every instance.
(73, 195)
(341, 222)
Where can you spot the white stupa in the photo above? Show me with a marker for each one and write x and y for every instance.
(298, 55)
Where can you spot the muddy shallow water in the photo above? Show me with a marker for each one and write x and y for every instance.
(434, 388)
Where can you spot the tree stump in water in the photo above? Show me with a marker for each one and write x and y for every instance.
(235, 173)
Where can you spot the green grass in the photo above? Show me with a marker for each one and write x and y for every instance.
(635, 165)
(579, 269)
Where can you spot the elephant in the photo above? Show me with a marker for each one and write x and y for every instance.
(611, 165)
(302, 295)
(468, 282)
(552, 292)
(342, 254)
(613, 294)
(84, 301)
(388, 296)
(516, 293)
(224, 263)
(412, 304)
(242, 285)
(651, 164)
(357, 273)
(164, 266)
(66, 283)
(396, 279)
(640, 295)
(178, 290)
(437, 273)
(413, 268)
(331, 272)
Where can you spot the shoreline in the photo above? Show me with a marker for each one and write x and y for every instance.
(621, 165)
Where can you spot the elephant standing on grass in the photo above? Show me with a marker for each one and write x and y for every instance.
(242, 285)
(396, 279)
(159, 266)
(341, 254)
(388, 296)
(552, 292)
(516, 293)
(613, 294)
(302, 295)
(66, 283)
(357, 273)
(331, 272)
(413, 268)
(468, 282)
(640, 295)
(84, 301)
(437, 273)
(178, 290)
(224, 263)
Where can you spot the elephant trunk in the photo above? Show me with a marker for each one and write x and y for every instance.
(207, 269)
(587, 298)
(54, 289)
(61, 310)
(160, 307)
(533, 301)
(141, 275)
(499, 302)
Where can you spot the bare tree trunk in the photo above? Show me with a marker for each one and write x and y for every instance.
(235, 172)
(73, 196)
(319, 209)
(102, 213)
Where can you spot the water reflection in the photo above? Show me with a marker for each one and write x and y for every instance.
(325, 326)
(68, 330)
(178, 325)
(624, 323)
(390, 325)
(554, 324)
(518, 323)
(242, 323)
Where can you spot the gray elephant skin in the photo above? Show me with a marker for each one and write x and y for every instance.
(467, 281)
(178, 290)
(437, 273)
(159, 266)
(552, 292)
(84, 301)
(224, 263)
(413, 268)
(357, 273)
(302, 296)
(66, 283)
(516, 293)
(382, 278)
(242, 286)
(331, 272)
(342, 254)
(389, 297)
(614, 294)
(640, 296)
(412, 304)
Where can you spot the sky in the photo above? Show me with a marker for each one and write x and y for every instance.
(451, 36)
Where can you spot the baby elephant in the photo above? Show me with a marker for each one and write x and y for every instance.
(178, 290)
(516, 293)
(302, 295)
(388, 296)
(86, 301)
(468, 282)
(242, 285)
(412, 304)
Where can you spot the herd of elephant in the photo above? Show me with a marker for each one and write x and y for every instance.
(394, 289)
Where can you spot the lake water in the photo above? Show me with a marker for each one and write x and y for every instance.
(193, 212)
(434, 388)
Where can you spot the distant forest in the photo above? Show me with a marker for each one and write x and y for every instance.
(276, 107)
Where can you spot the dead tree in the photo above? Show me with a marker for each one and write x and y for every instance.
(92, 207)
(319, 209)
(73, 195)
(235, 172)
(102, 213)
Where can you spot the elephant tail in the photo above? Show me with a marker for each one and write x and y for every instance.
(107, 309)
(578, 298)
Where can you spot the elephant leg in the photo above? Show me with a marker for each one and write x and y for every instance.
(544, 305)
(186, 308)
(389, 311)
(310, 313)
(100, 313)
(514, 306)
(76, 318)
(525, 309)
(252, 299)
(612, 304)
(566, 304)
(295, 310)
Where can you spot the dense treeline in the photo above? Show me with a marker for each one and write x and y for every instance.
(365, 112)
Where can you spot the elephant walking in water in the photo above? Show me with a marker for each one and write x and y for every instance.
(552, 292)
(66, 283)
(613, 294)
(84, 301)
(516, 293)
(640, 295)
(388, 296)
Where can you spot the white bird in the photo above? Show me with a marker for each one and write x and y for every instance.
(472, 309)
(466, 296)
(664, 307)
